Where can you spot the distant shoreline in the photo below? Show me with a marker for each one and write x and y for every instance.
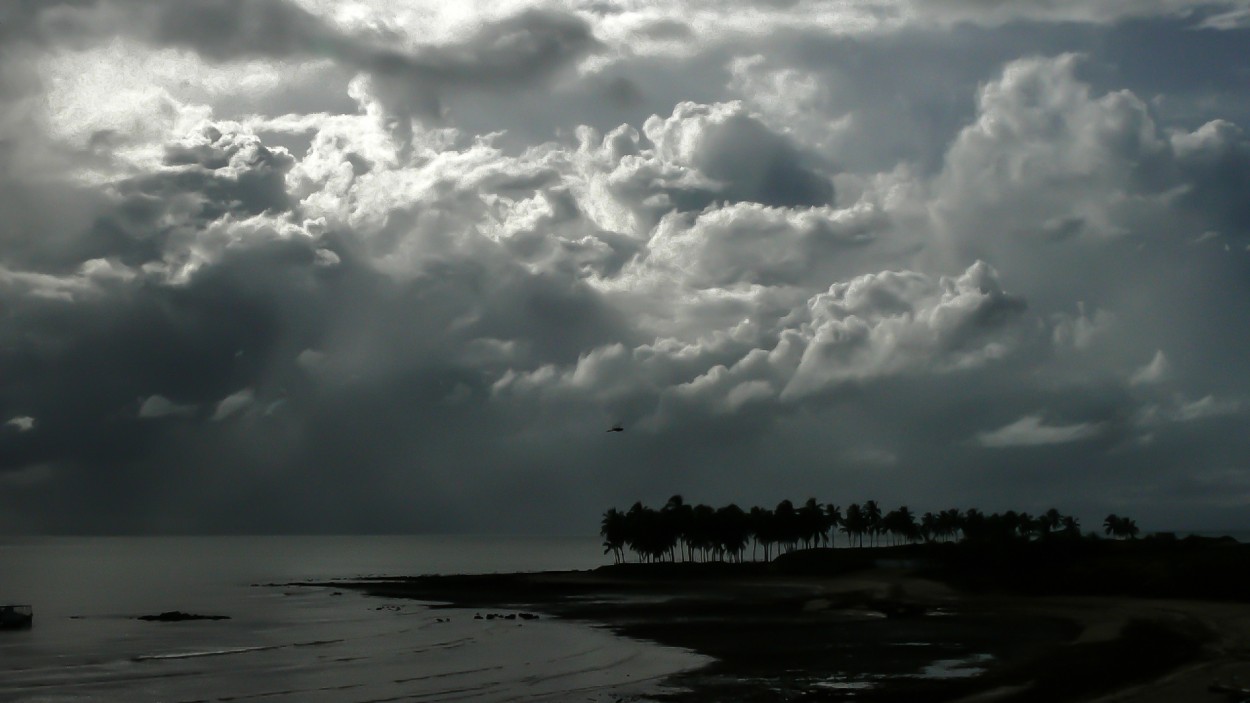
(776, 626)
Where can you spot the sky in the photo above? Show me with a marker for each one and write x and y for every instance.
(273, 266)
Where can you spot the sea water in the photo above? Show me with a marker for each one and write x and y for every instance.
(292, 643)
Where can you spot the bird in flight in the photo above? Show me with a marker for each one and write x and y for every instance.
(617, 428)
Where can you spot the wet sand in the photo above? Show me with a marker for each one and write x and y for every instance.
(787, 637)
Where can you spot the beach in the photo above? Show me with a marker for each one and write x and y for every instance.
(334, 619)
(877, 634)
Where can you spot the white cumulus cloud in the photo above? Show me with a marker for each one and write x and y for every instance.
(1032, 430)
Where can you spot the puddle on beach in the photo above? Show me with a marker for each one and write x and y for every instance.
(621, 598)
(841, 683)
(963, 668)
(940, 669)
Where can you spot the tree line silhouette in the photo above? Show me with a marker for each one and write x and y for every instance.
(687, 532)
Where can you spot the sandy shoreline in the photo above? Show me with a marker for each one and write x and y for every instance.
(782, 637)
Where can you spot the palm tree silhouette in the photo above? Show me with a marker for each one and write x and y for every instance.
(1025, 525)
(785, 525)
(872, 515)
(677, 519)
(1111, 525)
(647, 536)
(951, 523)
(833, 520)
(704, 533)
(733, 531)
(929, 527)
(854, 524)
(1050, 522)
(973, 524)
(1118, 527)
(810, 522)
(760, 520)
(900, 524)
(612, 529)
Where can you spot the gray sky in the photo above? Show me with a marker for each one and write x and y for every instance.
(302, 265)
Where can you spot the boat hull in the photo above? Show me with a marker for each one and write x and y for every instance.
(16, 617)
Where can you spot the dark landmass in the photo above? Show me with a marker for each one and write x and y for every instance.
(179, 616)
(1140, 620)
(1155, 567)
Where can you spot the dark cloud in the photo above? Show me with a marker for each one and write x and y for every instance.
(997, 12)
(507, 55)
(227, 173)
(511, 53)
(23, 21)
(743, 157)
(1028, 288)
(227, 30)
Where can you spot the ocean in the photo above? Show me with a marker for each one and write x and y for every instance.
(286, 643)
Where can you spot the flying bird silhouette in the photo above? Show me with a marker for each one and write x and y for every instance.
(616, 428)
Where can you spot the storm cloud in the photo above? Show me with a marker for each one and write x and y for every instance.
(290, 266)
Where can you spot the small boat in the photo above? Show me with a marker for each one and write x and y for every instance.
(15, 617)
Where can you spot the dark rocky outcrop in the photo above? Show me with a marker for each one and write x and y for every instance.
(179, 616)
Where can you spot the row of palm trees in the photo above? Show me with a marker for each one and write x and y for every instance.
(687, 532)
(1118, 526)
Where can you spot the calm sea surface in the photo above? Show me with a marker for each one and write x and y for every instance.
(296, 644)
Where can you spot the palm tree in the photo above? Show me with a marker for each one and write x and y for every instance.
(645, 534)
(1049, 522)
(612, 529)
(760, 520)
(1071, 526)
(973, 524)
(1118, 527)
(677, 517)
(929, 527)
(1026, 525)
(1111, 525)
(872, 515)
(854, 524)
(786, 524)
(634, 519)
(833, 520)
(810, 520)
(702, 533)
(733, 530)
(905, 524)
(890, 527)
(951, 523)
